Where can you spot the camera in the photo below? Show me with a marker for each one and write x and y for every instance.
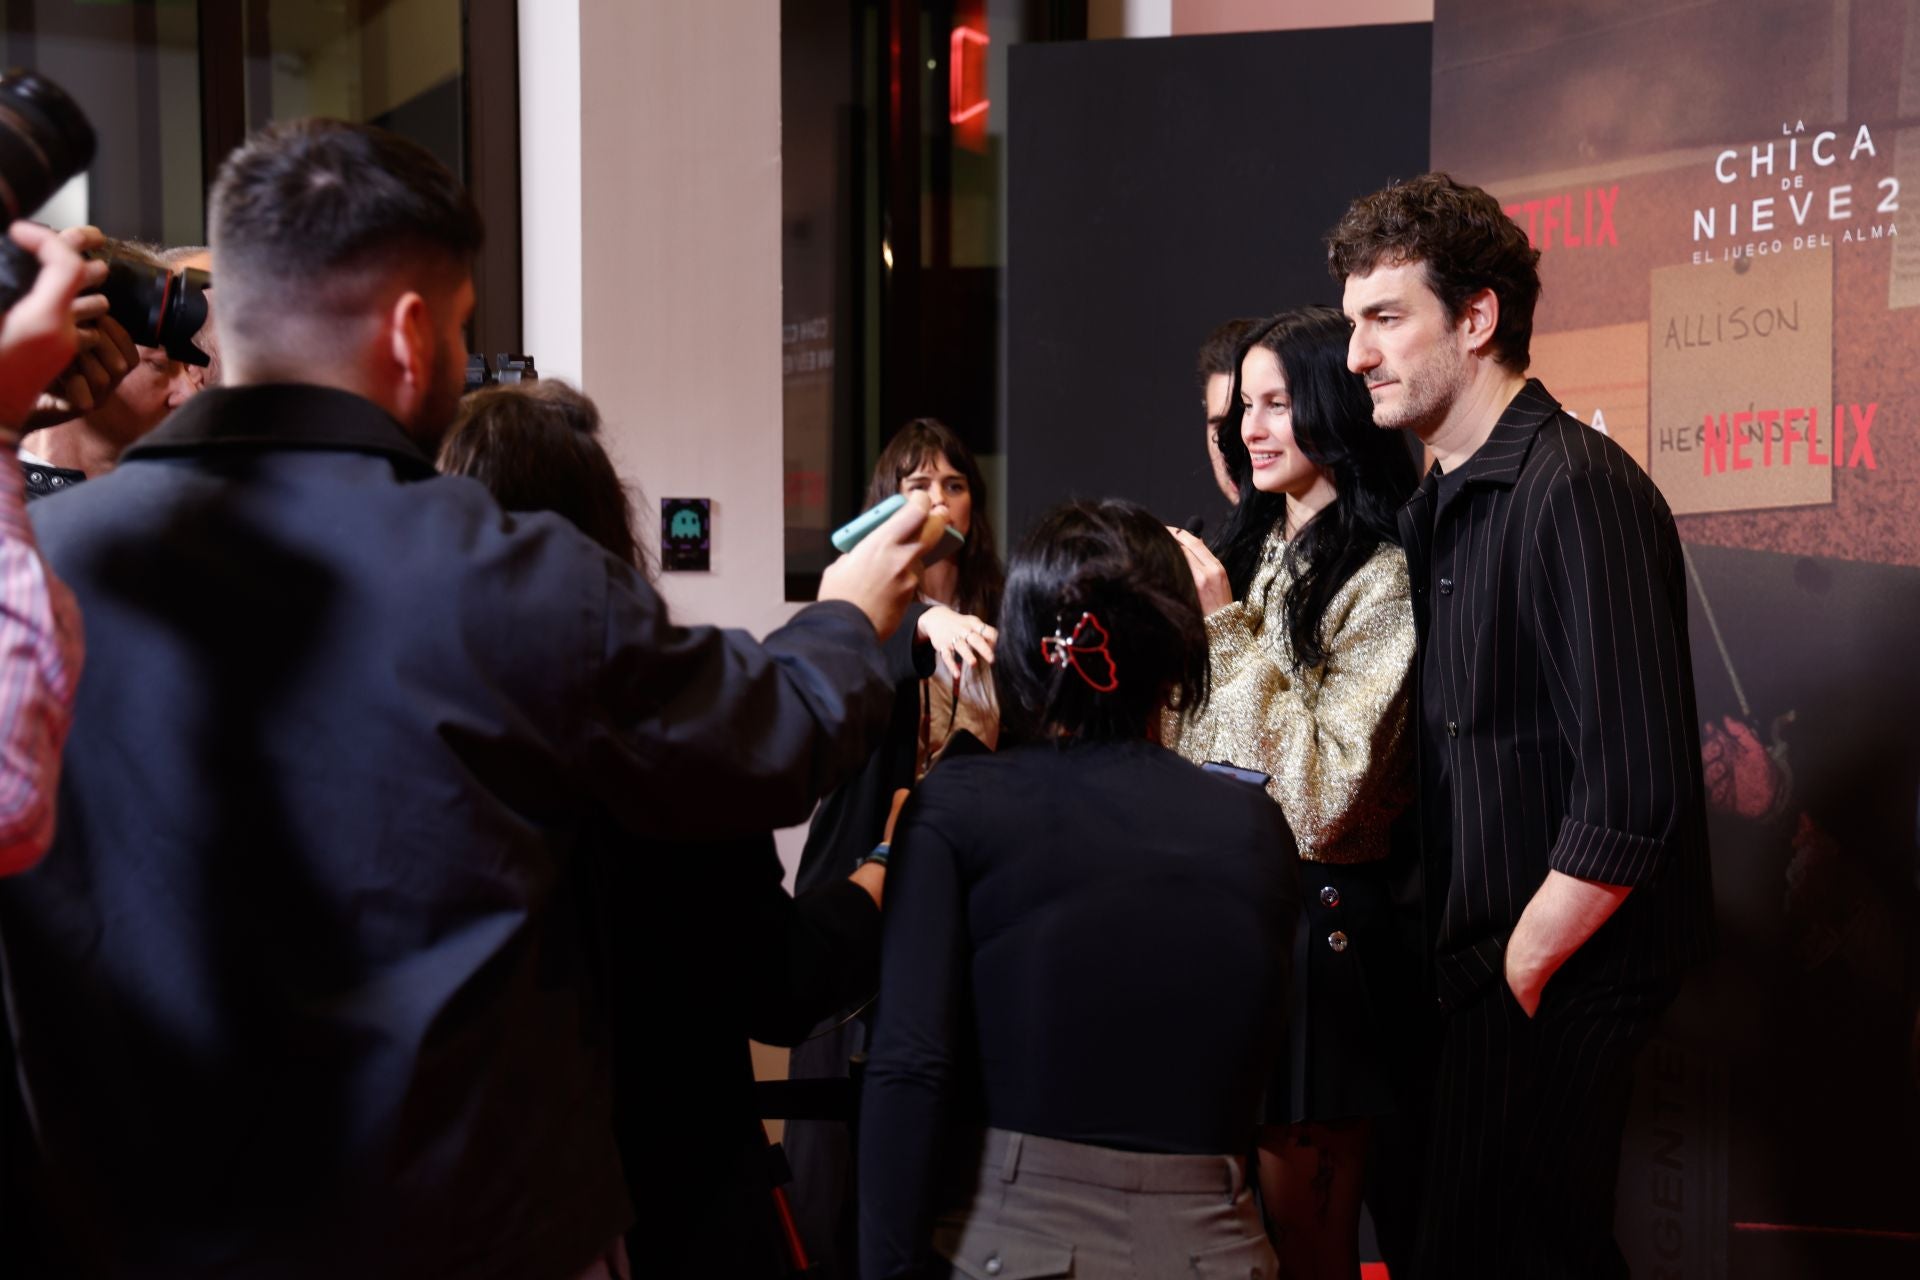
(158, 307)
(44, 140)
(503, 368)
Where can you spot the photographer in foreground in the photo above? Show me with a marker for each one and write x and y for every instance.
(147, 384)
(40, 637)
(40, 643)
(306, 993)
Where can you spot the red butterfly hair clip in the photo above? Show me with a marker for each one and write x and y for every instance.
(1087, 644)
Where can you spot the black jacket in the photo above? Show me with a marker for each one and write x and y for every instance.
(707, 951)
(304, 986)
(1550, 599)
(851, 820)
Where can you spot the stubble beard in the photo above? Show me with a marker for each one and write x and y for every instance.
(1426, 396)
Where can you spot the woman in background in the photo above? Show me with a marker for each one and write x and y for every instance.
(1311, 626)
(941, 659)
(701, 948)
(536, 447)
(960, 595)
(941, 656)
(1085, 951)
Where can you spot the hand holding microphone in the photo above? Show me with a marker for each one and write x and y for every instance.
(882, 572)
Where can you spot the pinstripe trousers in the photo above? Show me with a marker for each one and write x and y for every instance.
(1527, 1121)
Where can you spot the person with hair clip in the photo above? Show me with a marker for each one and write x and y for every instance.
(1084, 953)
(1311, 631)
(769, 966)
(941, 660)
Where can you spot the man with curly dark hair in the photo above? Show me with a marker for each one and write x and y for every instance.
(1562, 815)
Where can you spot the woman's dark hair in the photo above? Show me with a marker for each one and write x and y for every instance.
(535, 446)
(916, 445)
(1373, 474)
(1114, 560)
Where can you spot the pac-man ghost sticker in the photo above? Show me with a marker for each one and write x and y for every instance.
(686, 534)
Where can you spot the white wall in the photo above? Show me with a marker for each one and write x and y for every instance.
(680, 141)
(650, 180)
(1114, 19)
(1196, 17)
(550, 195)
(650, 208)
(1125, 19)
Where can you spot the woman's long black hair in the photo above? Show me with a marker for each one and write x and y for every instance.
(981, 578)
(1372, 470)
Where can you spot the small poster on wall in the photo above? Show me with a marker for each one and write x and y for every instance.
(686, 535)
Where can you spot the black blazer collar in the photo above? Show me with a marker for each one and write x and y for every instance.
(282, 416)
(1499, 460)
(1505, 451)
(1416, 523)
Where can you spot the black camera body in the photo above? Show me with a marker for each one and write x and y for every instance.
(44, 140)
(503, 368)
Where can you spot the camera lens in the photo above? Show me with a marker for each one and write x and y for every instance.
(158, 307)
(186, 316)
(44, 140)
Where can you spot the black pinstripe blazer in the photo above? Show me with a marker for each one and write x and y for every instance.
(1549, 594)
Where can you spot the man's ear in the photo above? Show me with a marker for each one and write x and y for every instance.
(1479, 318)
(410, 341)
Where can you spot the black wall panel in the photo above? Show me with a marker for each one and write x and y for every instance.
(1156, 188)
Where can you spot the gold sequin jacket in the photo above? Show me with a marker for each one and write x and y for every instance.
(1333, 738)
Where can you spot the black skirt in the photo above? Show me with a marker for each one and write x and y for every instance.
(1355, 990)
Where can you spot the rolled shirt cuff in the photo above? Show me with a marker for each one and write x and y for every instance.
(1603, 854)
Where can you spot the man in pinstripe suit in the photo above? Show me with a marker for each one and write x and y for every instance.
(1562, 815)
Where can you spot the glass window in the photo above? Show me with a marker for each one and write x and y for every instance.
(171, 86)
(396, 65)
(893, 153)
(135, 70)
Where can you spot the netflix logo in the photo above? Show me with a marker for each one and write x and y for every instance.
(1750, 438)
(1570, 221)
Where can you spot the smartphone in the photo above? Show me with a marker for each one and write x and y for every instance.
(848, 535)
(1234, 771)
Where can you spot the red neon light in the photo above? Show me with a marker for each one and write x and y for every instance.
(1869, 1233)
(960, 106)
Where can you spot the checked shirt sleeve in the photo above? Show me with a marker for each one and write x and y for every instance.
(40, 656)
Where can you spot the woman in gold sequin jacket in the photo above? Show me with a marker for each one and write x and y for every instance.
(1311, 632)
